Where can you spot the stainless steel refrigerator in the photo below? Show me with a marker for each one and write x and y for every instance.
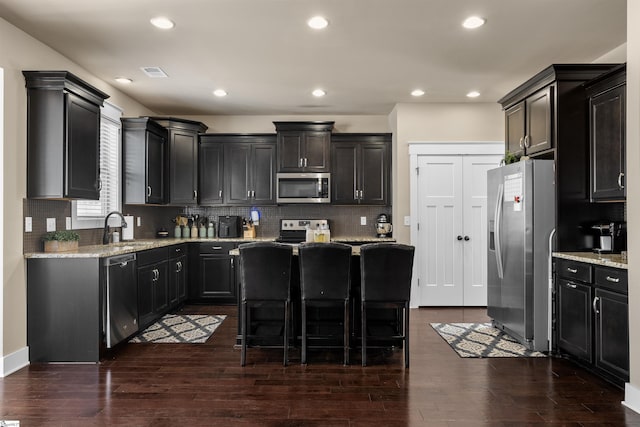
(521, 216)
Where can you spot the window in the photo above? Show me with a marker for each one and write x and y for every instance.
(91, 213)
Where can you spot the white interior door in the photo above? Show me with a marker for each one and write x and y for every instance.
(452, 233)
(475, 228)
(440, 224)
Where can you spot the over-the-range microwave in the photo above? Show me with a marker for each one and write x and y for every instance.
(303, 188)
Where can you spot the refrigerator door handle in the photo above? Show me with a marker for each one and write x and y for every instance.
(497, 216)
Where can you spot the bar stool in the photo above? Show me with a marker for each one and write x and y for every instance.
(325, 280)
(265, 277)
(386, 270)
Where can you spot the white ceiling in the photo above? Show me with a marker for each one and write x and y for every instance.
(371, 56)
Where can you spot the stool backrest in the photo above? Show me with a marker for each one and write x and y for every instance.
(386, 271)
(265, 271)
(325, 271)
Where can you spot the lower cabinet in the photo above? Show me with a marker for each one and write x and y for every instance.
(592, 317)
(153, 285)
(177, 275)
(215, 276)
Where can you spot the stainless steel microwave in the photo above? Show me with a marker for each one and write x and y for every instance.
(304, 188)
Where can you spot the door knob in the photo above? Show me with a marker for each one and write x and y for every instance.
(466, 238)
(459, 237)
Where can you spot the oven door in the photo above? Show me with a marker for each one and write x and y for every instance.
(304, 188)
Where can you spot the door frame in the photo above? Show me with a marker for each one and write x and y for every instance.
(437, 148)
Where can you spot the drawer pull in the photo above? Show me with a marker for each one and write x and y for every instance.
(572, 270)
(571, 285)
(613, 279)
(216, 248)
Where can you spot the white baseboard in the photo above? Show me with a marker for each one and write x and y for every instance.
(14, 361)
(632, 397)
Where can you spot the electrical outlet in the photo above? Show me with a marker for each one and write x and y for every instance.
(28, 224)
(139, 221)
(51, 224)
(407, 220)
(363, 220)
(68, 223)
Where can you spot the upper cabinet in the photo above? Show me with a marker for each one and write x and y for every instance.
(237, 169)
(607, 133)
(304, 146)
(534, 110)
(63, 136)
(360, 165)
(144, 150)
(183, 158)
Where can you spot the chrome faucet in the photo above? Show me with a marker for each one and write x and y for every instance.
(105, 234)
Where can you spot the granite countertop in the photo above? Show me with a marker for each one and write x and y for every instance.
(607, 260)
(125, 247)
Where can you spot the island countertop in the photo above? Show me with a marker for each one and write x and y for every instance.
(125, 247)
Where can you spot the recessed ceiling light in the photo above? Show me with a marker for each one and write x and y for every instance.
(473, 94)
(473, 22)
(318, 22)
(124, 80)
(162, 22)
(220, 92)
(417, 92)
(318, 93)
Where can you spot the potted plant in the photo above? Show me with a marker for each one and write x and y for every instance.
(61, 241)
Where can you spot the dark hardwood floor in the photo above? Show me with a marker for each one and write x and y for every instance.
(204, 385)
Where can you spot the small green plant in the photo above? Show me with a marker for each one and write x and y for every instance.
(509, 158)
(62, 235)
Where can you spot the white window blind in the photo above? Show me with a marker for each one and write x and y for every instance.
(89, 213)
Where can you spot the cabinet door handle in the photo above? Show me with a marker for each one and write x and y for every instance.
(361, 194)
(620, 184)
(571, 285)
(220, 194)
(572, 270)
(522, 143)
(253, 194)
(300, 162)
(305, 162)
(195, 194)
(595, 305)
(527, 141)
(248, 194)
(148, 191)
(355, 195)
(178, 267)
(231, 262)
(613, 279)
(100, 184)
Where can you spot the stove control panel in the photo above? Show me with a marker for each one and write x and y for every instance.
(301, 224)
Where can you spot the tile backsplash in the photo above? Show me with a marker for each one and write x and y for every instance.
(344, 221)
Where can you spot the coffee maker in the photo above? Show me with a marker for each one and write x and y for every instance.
(383, 226)
(610, 237)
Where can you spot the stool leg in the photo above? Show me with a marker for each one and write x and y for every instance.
(363, 315)
(286, 333)
(243, 345)
(303, 357)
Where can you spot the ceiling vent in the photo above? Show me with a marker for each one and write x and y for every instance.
(154, 72)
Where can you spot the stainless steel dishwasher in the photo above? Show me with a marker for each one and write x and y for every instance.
(122, 298)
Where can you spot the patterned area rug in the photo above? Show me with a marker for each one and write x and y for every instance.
(481, 340)
(173, 328)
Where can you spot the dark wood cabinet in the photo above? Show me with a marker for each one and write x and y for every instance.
(177, 269)
(360, 169)
(528, 124)
(216, 274)
(63, 136)
(144, 147)
(304, 146)
(238, 169)
(182, 159)
(249, 173)
(211, 173)
(592, 317)
(153, 285)
(607, 135)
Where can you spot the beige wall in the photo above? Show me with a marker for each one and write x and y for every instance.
(18, 52)
(463, 122)
(633, 190)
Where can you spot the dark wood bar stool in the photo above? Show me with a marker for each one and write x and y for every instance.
(386, 270)
(265, 279)
(325, 280)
